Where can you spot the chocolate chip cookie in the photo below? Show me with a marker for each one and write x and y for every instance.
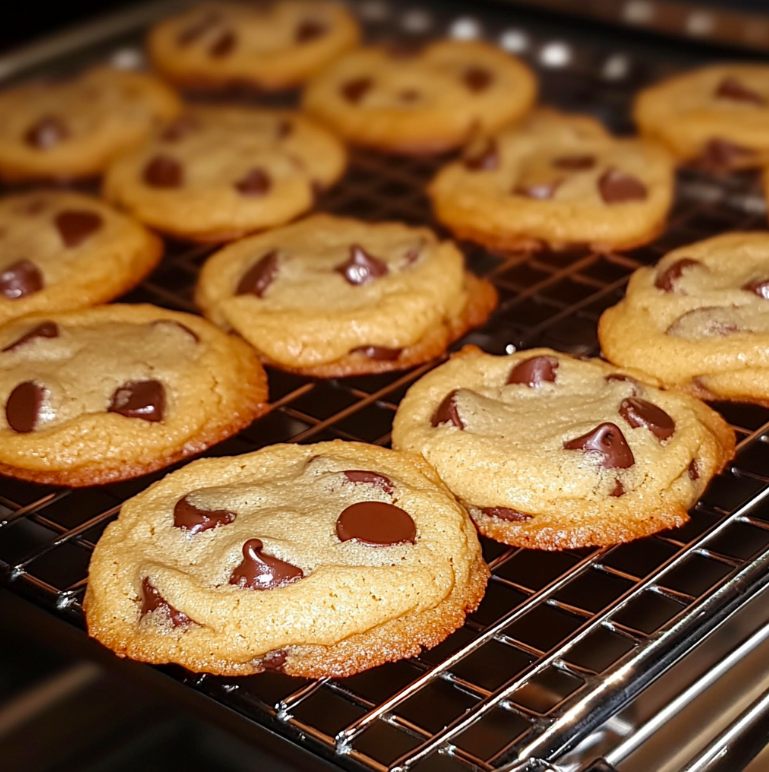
(556, 180)
(60, 251)
(73, 128)
(316, 560)
(552, 452)
(117, 391)
(267, 46)
(421, 100)
(715, 117)
(219, 173)
(699, 320)
(331, 296)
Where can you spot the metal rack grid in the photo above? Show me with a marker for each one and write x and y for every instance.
(561, 640)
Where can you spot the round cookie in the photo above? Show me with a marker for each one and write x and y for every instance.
(219, 173)
(556, 180)
(551, 452)
(699, 320)
(72, 129)
(716, 117)
(420, 101)
(60, 251)
(114, 392)
(267, 47)
(331, 296)
(315, 560)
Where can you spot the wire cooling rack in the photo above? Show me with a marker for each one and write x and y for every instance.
(561, 640)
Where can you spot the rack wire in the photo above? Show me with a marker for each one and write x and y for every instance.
(561, 640)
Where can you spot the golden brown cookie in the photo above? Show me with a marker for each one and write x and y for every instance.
(114, 392)
(331, 296)
(552, 452)
(316, 560)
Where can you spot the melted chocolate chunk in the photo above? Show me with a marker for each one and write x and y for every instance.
(310, 30)
(354, 90)
(256, 183)
(358, 476)
(607, 443)
(638, 412)
(140, 399)
(535, 371)
(263, 572)
(732, 88)
(20, 279)
(447, 413)
(666, 281)
(275, 660)
(574, 162)
(195, 31)
(152, 600)
(487, 160)
(259, 276)
(376, 524)
(22, 410)
(478, 79)
(76, 225)
(541, 191)
(618, 187)
(195, 520)
(618, 489)
(361, 267)
(48, 132)
(178, 325)
(43, 330)
(378, 353)
(720, 154)
(505, 513)
(758, 287)
(224, 45)
(694, 471)
(164, 172)
(179, 129)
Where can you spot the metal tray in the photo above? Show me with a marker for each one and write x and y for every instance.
(562, 640)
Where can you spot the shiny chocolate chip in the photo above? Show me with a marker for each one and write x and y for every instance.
(694, 470)
(195, 31)
(164, 172)
(140, 399)
(540, 191)
(447, 412)
(732, 88)
(758, 287)
(376, 524)
(20, 279)
(42, 330)
(47, 132)
(666, 281)
(310, 30)
(177, 325)
(505, 513)
(76, 225)
(259, 276)
(720, 154)
(362, 267)
(534, 371)
(179, 129)
(478, 79)
(618, 489)
(607, 443)
(638, 412)
(574, 162)
(224, 45)
(190, 518)
(263, 572)
(354, 90)
(485, 160)
(255, 183)
(275, 660)
(378, 353)
(22, 410)
(359, 476)
(152, 600)
(618, 187)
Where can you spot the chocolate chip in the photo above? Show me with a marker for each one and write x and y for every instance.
(607, 443)
(666, 281)
(256, 183)
(719, 154)
(618, 489)
(152, 600)
(179, 129)
(263, 572)
(618, 187)
(354, 90)
(275, 660)
(361, 267)
(224, 45)
(196, 520)
(309, 30)
(164, 172)
(259, 276)
(732, 88)
(638, 412)
(177, 325)
(22, 410)
(486, 160)
(20, 279)
(47, 132)
(195, 31)
(478, 79)
(447, 412)
(574, 162)
(284, 129)
(76, 225)
(376, 524)
(534, 371)
(541, 191)
(42, 330)
(694, 471)
(758, 287)
(358, 476)
(378, 353)
(140, 399)
(505, 513)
